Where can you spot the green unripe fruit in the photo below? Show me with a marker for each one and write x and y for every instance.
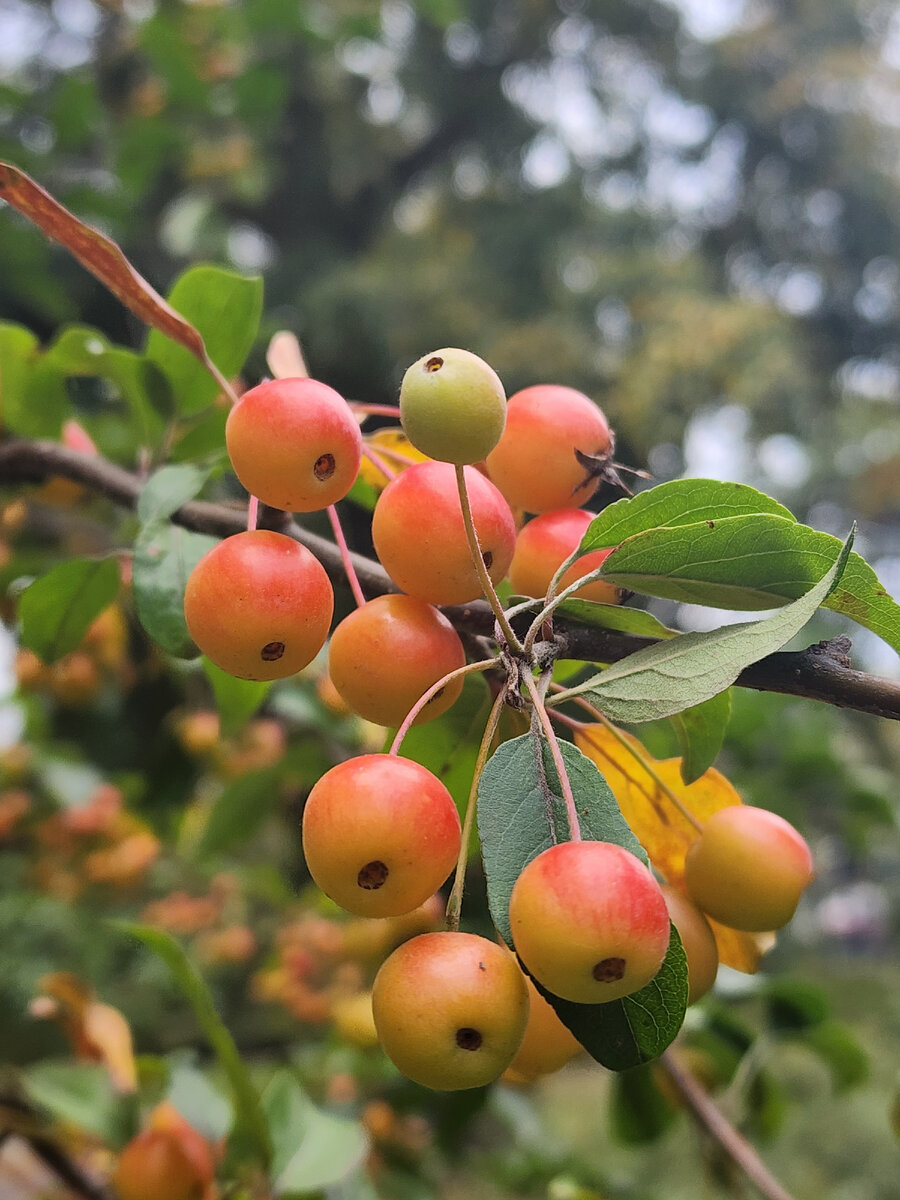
(453, 406)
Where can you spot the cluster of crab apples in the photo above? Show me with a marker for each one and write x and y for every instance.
(381, 834)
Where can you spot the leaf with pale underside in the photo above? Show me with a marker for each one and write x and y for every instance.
(664, 679)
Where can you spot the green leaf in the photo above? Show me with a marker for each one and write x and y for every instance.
(794, 1005)
(82, 1094)
(236, 699)
(164, 556)
(250, 1130)
(18, 351)
(766, 1105)
(312, 1149)
(201, 1104)
(167, 489)
(639, 1112)
(701, 731)
(81, 351)
(837, 1047)
(239, 811)
(666, 678)
(637, 1028)
(681, 502)
(521, 812)
(57, 609)
(225, 308)
(748, 557)
(614, 616)
(448, 745)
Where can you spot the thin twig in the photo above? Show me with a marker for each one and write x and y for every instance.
(708, 1117)
(487, 584)
(454, 903)
(341, 542)
(468, 669)
(556, 753)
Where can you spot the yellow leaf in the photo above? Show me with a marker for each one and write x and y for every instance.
(664, 832)
(393, 448)
(97, 1031)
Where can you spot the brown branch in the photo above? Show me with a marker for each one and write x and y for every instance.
(820, 672)
(712, 1121)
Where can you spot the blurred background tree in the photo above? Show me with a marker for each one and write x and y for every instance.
(689, 210)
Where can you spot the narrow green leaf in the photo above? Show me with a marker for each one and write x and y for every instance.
(836, 1045)
(521, 812)
(666, 678)
(614, 616)
(225, 308)
(637, 1028)
(681, 502)
(639, 1112)
(82, 1094)
(18, 351)
(793, 1005)
(57, 609)
(236, 699)
(251, 1129)
(701, 731)
(239, 811)
(167, 489)
(312, 1149)
(164, 556)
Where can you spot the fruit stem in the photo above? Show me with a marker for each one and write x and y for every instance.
(375, 410)
(468, 669)
(454, 903)
(341, 541)
(487, 585)
(638, 756)
(376, 459)
(556, 753)
(552, 602)
(252, 513)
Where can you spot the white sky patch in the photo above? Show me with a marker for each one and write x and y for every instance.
(716, 446)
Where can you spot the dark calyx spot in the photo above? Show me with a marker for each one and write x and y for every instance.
(468, 1039)
(608, 970)
(434, 364)
(272, 651)
(488, 557)
(324, 467)
(372, 876)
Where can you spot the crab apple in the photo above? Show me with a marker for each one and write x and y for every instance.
(534, 463)
(544, 543)
(386, 654)
(450, 1009)
(453, 406)
(420, 537)
(589, 921)
(698, 940)
(380, 834)
(748, 869)
(169, 1160)
(259, 605)
(547, 1045)
(294, 443)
